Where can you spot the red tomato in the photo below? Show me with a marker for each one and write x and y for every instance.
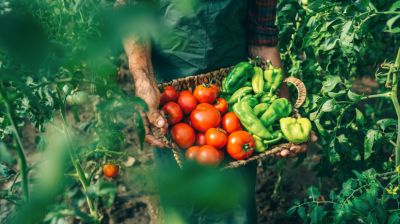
(216, 88)
(191, 152)
(203, 106)
(240, 145)
(110, 170)
(221, 105)
(187, 102)
(186, 92)
(205, 93)
(216, 137)
(205, 117)
(169, 94)
(173, 112)
(200, 139)
(231, 123)
(208, 155)
(183, 135)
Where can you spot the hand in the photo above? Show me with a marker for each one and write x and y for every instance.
(296, 149)
(148, 91)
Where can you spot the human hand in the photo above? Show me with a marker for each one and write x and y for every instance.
(148, 91)
(297, 149)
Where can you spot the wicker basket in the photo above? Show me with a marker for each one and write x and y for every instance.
(216, 77)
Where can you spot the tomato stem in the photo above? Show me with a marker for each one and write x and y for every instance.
(20, 147)
(395, 102)
(75, 162)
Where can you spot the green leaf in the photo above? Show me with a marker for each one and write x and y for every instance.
(395, 6)
(394, 218)
(328, 106)
(317, 214)
(391, 22)
(360, 117)
(386, 122)
(313, 193)
(369, 141)
(361, 205)
(141, 132)
(330, 83)
(302, 214)
(5, 172)
(353, 96)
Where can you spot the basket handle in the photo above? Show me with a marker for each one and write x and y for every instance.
(301, 91)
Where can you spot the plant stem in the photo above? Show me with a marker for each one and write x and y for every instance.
(395, 101)
(20, 147)
(75, 162)
(383, 95)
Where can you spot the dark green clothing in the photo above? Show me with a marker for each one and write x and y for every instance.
(201, 38)
(204, 37)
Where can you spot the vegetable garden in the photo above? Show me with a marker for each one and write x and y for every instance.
(72, 135)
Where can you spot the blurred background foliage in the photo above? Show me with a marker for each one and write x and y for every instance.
(52, 50)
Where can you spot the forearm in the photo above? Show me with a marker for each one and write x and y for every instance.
(138, 51)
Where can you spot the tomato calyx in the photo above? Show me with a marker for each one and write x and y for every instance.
(246, 147)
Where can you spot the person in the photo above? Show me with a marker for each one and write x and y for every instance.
(202, 36)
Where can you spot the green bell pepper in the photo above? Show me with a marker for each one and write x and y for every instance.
(266, 98)
(257, 81)
(251, 100)
(250, 121)
(237, 77)
(279, 108)
(296, 130)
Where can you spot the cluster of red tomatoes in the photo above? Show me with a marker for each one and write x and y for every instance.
(202, 125)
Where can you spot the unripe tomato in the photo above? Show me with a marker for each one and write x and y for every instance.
(200, 139)
(204, 117)
(191, 152)
(206, 93)
(169, 94)
(216, 137)
(187, 102)
(208, 155)
(110, 170)
(240, 145)
(78, 98)
(173, 112)
(231, 123)
(221, 105)
(183, 135)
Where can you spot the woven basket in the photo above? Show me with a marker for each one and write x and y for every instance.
(216, 77)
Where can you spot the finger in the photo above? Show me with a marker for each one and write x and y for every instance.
(153, 141)
(303, 148)
(296, 148)
(146, 123)
(313, 137)
(165, 128)
(157, 119)
(284, 153)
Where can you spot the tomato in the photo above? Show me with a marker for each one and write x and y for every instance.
(186, 92)
(183, 135)
(187, 102)
(205, 93)
(221, 105)
(110, 170)
(78, 98)
(216, 137)
(216, 88)
(231, 123)
(173, 112)
(205, 117)
(200, 139)
(208, 155)
(191, 152)
(240, 145)
(203, 106)
(169, 94)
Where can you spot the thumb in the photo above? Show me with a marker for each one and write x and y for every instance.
(157, 119)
